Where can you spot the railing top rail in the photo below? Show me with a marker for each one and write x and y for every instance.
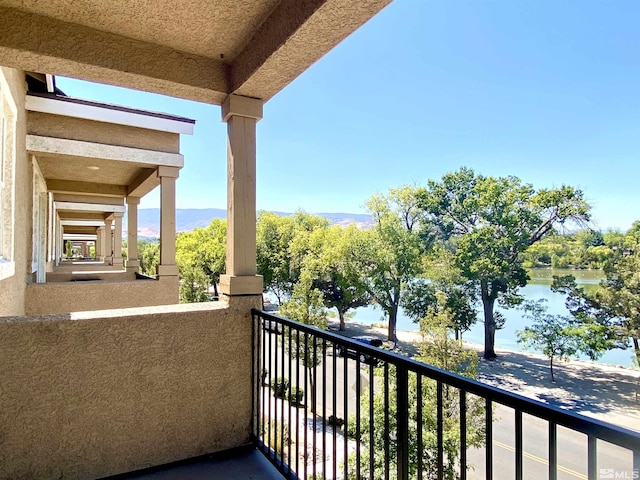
(610, 433)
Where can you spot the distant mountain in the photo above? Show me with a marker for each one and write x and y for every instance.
(188, 219)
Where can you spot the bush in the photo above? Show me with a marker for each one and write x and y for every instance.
(335, 421)
(296, 397)
(280, 387)
(275, 435)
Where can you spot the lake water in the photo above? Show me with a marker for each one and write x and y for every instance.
(538, 287)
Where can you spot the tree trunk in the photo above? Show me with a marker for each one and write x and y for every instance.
(553, 379)
(313, 393)
(215, 290)
(488, 302)
(341, 316)
(393, 318)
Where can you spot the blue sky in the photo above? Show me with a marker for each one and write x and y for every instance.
(547, 90)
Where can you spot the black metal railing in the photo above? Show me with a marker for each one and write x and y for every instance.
(405, 419)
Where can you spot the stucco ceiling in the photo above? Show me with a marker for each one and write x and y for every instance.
(197, 49)
(89, 170)
(202, 27)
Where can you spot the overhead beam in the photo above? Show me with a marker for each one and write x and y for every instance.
(95, 216)
(73, 187)
(88, 207)
(79, 236)
(82, 223)
(78, 148)
(292, 38)
(41, 44)
(79, 230)
(66, 197)
(146, 181)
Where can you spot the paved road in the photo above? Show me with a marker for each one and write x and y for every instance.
(572, 446)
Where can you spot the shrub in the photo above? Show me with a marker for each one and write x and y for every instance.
(296, 397)
(335, 421)
(280, 387)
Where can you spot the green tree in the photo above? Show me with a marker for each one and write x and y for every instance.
(388, 255)
(305, 306)
(615, 304)
(194, 284)
(201, 256)
(149, 255)
(334, 272)
(560, 336)
(442, 351)
(422, 295)
(282, 246)
(488, 223)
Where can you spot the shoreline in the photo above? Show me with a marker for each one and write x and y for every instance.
(602, 391)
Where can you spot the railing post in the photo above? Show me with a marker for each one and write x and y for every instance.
(255, 375)
(402, 413)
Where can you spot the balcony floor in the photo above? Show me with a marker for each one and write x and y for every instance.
(239, 464)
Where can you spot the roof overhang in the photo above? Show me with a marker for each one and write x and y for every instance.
(196, 49)
(103, 112)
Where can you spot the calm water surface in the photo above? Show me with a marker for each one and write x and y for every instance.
(538, 287)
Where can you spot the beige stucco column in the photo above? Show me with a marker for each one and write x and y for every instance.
(241, 115)
(108, 241)
(167, 266)
(51, 231)
(101, 244)
(56, 241)
(98, 248)
(59, 241)
(133, 264)
(117, 239)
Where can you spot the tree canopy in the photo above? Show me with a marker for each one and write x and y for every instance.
(388, 255)
(201, 256)
(488, 223)
(616, 303)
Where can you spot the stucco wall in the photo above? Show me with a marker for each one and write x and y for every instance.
(64, 297)
(99, 393)
(12, 288)
(59, 126)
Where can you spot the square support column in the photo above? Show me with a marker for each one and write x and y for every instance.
(167, 266)
(98, 247)
(241, 115)
(51, 231)
(59, 241)
(108, 241)
(133, 263)
(117, 239)
(101, 244)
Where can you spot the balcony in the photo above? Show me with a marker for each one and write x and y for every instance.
(179, 391)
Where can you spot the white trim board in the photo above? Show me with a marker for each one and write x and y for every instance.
(83, 223)
(106, 114)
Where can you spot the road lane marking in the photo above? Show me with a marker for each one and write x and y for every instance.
(542, 460)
